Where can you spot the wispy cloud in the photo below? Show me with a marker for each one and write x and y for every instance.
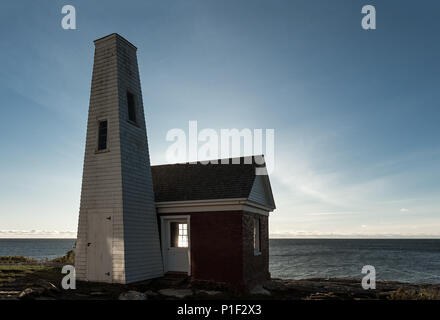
(36, 234)
(357, 235)
(332, 213)
(337, 200)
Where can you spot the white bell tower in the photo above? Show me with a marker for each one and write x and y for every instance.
(118, 239)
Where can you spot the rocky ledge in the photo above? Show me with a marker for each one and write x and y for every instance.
(44, 282)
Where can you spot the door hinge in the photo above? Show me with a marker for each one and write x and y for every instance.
(107, 273)
(88, 244)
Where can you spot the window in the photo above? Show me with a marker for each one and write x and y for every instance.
(179, 235)
(131, 107)
(257, 248)
(102, 135)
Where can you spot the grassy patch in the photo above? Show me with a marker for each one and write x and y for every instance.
(21, 268)
(17, 259)
(10, 273)
(420, 294)
(69, 258)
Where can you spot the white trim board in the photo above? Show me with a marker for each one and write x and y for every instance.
(237, 204)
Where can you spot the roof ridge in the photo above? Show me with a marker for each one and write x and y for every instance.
(209, 162)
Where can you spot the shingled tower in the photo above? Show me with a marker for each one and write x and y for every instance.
(118, 238)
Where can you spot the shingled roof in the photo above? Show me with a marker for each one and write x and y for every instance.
(182, 182)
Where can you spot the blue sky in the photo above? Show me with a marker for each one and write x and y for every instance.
(356, 113)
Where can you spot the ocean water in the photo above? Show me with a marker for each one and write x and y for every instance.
(36, 248)
(416, 261)
(412, 260)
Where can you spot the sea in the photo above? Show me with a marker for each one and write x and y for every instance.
(404, 260)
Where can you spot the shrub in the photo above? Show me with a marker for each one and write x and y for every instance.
(68, 258)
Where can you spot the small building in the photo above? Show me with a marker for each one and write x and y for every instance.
(138, 221)
(214, 220)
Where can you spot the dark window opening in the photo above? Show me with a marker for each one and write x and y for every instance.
(131, 107)
(257, 236)
(102, 135)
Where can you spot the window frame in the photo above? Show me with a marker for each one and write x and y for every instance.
(178, 237)
(131, 111)
(98, 144)
(182, 235)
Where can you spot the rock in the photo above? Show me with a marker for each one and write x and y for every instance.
(322, 296)
(210, 292)
(132, 295)
(260, 290)
(177, 293)
(383, 295)
(49, 286)
(274, 286)
(44, 298)
(151, 293)
(30, 293)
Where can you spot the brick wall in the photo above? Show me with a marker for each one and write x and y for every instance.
(255, 267)
(222, 248)
(216, 248)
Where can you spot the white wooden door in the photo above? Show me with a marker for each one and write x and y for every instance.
(99, 246)
(177, 245)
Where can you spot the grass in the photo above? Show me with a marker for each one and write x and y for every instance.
(420, 294)
(17, 277)
(20, 268)
(10, 273)
(69, 258)
(18, 273)
(17, 259)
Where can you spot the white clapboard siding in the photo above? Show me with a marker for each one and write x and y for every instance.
(141, 236)
(118, 181)
(261, 191)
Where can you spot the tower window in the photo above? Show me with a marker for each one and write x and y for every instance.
(102, 135)
(257, 244)
(131, 107)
